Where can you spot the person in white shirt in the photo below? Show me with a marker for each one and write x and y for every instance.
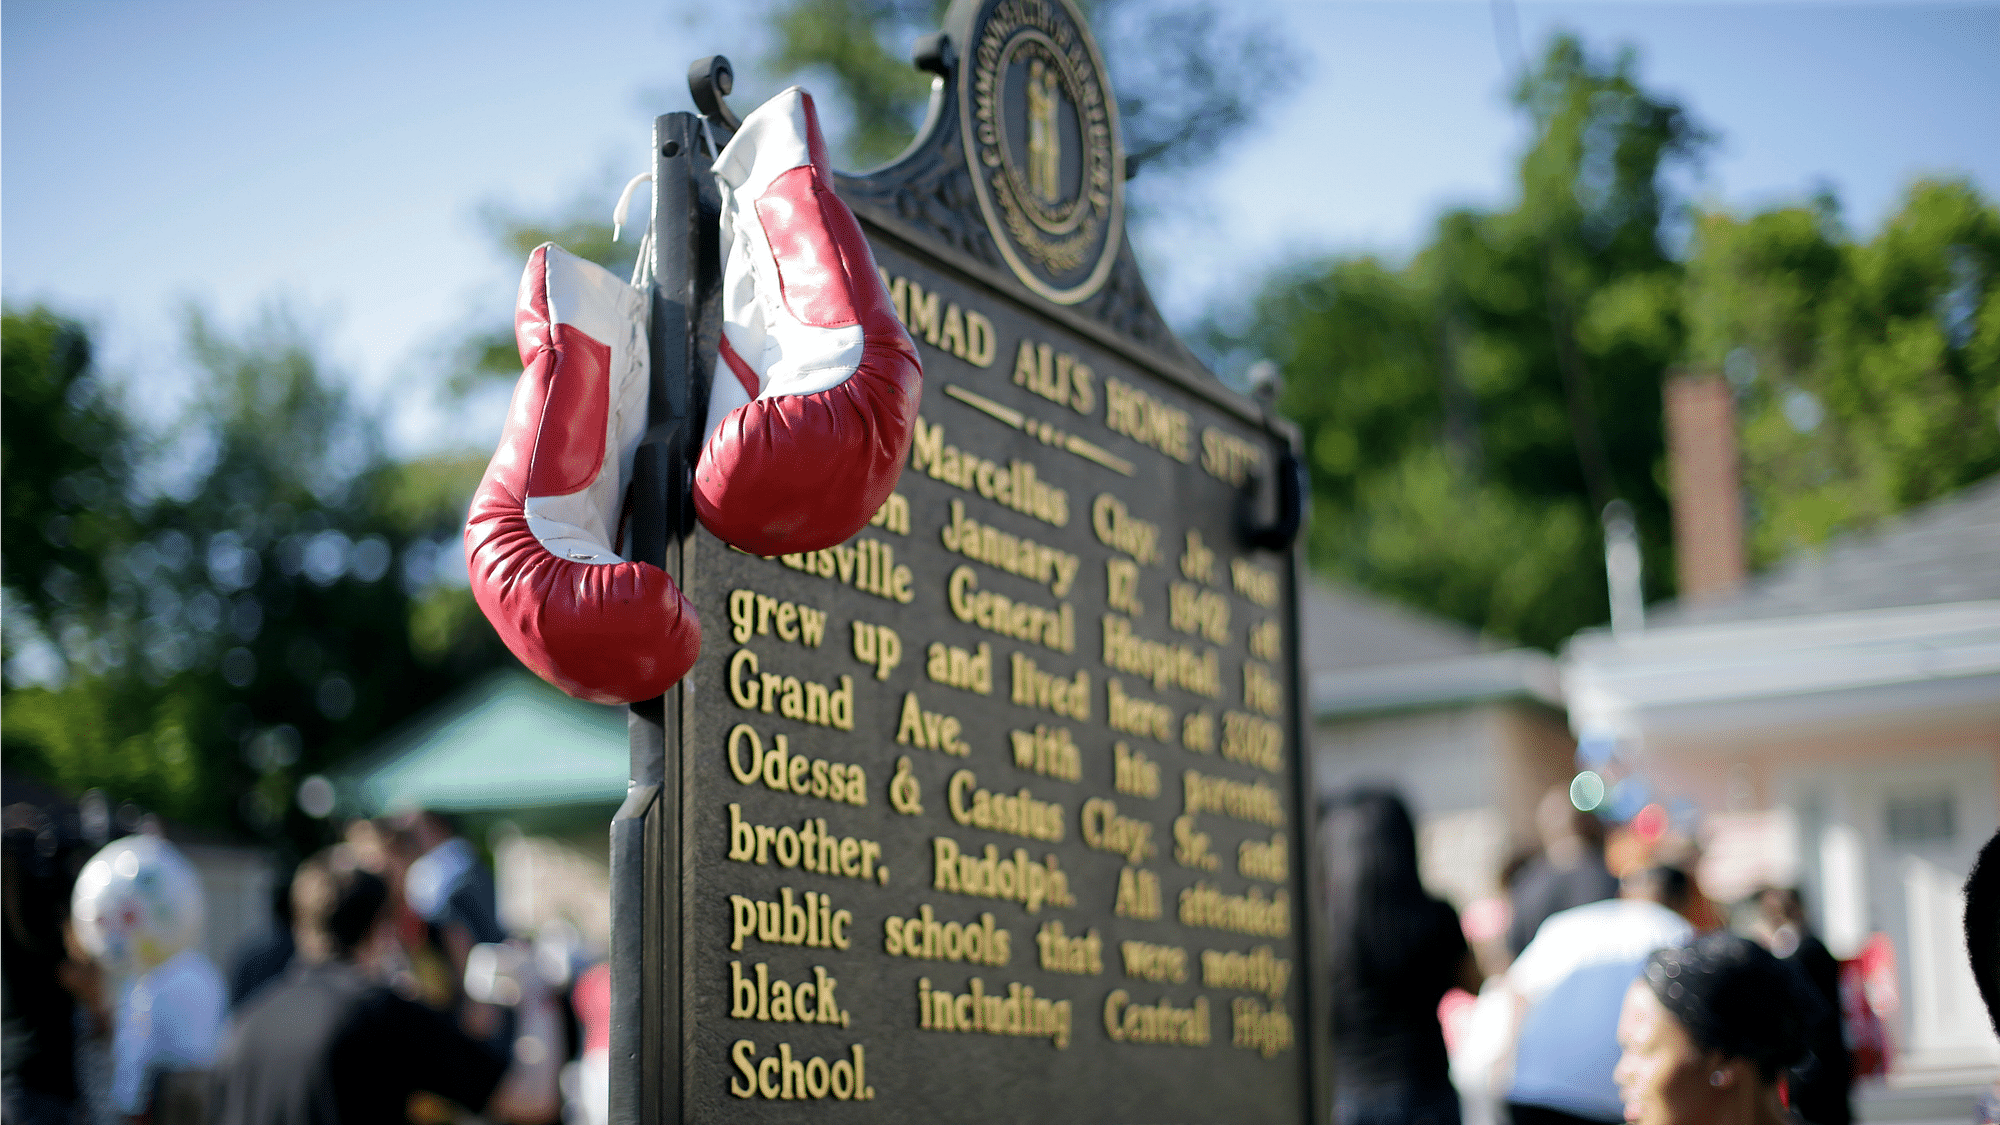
(1569, 983)
(169, 1020)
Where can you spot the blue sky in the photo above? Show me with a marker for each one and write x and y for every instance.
(337, 156)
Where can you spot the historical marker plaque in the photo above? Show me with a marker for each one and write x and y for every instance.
(994, 812)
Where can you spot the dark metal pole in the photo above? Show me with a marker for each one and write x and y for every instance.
(1316, 1020)
(645, 834)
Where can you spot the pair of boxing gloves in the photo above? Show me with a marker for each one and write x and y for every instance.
(815, 392)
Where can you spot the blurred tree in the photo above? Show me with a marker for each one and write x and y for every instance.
(66, 456)
(1467, 417)
(1867, 374)
(269, 609)
(581, 227)
(1186, 75)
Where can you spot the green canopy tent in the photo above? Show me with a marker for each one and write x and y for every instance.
(509, 746)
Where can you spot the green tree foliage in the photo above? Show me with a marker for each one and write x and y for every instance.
(1867, 373)
(582, 228)
(850, 41)
(268, 609)
(1468, 416)
(1186, 75)
(66, 457)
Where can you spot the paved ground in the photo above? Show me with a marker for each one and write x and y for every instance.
(1936, 1099)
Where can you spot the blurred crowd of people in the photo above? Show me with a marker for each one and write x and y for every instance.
(1586, 997)
(384, 989)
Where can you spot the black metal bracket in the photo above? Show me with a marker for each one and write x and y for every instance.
(1279, 532)
(709, 81)
(935, 53)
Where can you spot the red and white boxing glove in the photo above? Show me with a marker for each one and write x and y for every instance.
(816, 384)
(540, 537)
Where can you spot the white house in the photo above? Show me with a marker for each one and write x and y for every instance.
(1838, 720)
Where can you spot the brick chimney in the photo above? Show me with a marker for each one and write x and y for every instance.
(1707, 485)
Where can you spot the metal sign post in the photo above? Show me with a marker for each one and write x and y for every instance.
(645, 845)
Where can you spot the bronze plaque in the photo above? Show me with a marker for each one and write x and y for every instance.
(995, 811)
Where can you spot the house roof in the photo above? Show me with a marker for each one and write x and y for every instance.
(1347, 628)
(1364, 655)
(509, 741)
(1902, 618)
(1946, 551)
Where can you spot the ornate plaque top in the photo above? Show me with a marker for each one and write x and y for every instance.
(1042, 144)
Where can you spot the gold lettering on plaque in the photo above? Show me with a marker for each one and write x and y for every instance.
(1269, 860)
(1256, 1028)
(965, 333)
(1254, 582)
(755, 690)
(1017, 814)
(1146, 961)
(1198, 560)
(755, 996)
(780, 770)
(1191, 848)
(809, 920)
(1013, 878)
(1133, 772)
(1108, 830)
(1191, 609)
(1137, 716)
(1198, 732)
(905, 792)
(1121, 586)
(1254, 801)
(982, 542)
(782, 1077)
(1130, 1022)
(868, 565)
(878, 646)
(1138, 894)
(1033, 687)
(751, 614)
(1228, 458)
(1252, 913)
(1166, 665)
(1254, 741)
(923, 937)
(1260, 689)
(1049, 751)
(1057, 376)
(1265, 641)
(1258, 971)
(955, 667)
(931, 730)
(1017, 484)
(1146, 420)
(893, 515)
(1119, 529)
(1018, 1011)
(809, 846)
(998, 613)
(1081, 954)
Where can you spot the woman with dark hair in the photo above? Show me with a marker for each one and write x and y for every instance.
(1395, 951)
(1708, 1031)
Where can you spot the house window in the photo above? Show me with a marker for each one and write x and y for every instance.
(1921, 818)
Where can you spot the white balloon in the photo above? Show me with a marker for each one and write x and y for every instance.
(137, 903)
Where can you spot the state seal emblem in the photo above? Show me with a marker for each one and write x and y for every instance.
(1041, 139)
